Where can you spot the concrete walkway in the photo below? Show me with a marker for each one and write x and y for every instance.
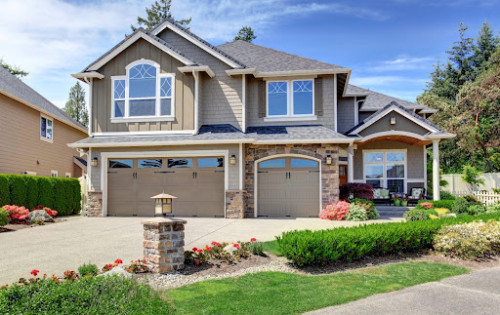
(474, 293)
(55, 248)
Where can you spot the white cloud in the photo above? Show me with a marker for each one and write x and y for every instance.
(403, 63)
(385, 80)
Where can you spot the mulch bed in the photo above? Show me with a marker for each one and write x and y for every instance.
(15, 227)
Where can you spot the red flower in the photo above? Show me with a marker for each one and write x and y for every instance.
(118, 261)
(200, 250)
(208, 249)
(195, 249)
(237, 246)
(34, 272)
(253, 239)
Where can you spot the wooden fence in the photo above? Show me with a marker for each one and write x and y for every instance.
(486, 197)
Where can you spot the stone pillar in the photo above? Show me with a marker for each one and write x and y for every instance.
(435, 170)
(94, 203)
(235, 204)
(164, 244)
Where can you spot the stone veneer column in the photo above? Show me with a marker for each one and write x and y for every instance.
(235, 204)
(94, 203)
(164, 244)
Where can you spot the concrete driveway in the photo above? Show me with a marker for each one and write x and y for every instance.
(55, 248)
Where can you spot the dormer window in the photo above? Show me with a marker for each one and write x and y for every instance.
(290, 99)
(144, 94)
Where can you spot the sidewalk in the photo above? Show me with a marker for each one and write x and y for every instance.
(474, 293)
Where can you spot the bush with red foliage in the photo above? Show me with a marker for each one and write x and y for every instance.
(49, 211)
(358, 190)
(19, 215)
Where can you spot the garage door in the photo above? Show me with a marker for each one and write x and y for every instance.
(288, 187)
(198, 184)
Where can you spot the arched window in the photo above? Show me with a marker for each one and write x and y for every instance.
(144, 92)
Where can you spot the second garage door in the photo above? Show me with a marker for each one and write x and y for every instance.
(198, 184)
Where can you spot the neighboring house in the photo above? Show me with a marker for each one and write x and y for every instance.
(239, 130)
(35, 133)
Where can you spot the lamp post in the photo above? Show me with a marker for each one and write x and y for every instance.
(163, 205)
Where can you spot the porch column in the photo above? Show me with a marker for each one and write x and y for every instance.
(435, 170)
(350, 164)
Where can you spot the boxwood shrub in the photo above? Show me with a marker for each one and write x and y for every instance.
(352, 243)
(61, 194)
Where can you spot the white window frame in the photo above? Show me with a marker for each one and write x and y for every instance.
(384, 163)
(67, 174)
(54, 173)
(159, 76)
(47, 118)
(290, 103)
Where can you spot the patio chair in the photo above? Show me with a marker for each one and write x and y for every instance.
(416, 194)
(381, 195)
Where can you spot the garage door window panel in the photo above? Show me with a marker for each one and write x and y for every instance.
(303, 163)
(180, 163)
(275, 163)
(149, 163)
(210, 162)
(121, 163)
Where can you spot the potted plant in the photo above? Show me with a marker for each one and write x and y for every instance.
(397, 201)
(404, 201)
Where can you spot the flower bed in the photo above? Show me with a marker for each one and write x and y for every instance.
(21, 215)
(353, 243)
(357, 210)
(227, 252)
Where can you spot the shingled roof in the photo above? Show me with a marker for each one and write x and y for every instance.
(265, 59)
(14, 87)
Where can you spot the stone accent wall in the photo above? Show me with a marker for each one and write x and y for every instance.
(164, 244)
(94, 203)
(329, 173)
(235, 204)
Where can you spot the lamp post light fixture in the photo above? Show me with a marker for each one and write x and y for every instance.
(328, 160)
(232, 160)
(93, 162)
(163, 205)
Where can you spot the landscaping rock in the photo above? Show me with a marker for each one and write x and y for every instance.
(40, 215)
(117, 271)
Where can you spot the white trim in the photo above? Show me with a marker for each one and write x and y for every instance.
(415, 180)
(256, 176)
(290, 103)
(105, 156)
(31, 173)
(243, 103)
(399, 111)
(384, 163)
(196, 77)
(115, 52)
(392, 133)
(68, 175)
(88, 75)
(54, 173)
(300, 72)
(47, 118)
(242, 178)
(335, 105)
(425, 167)
(139, 133)
(141, 119)
(195, 41)
(187, 69)
(435, 171)
(303, 141)
(241, 71)
(89, 170)
(356, 111)
(91, 96)
(350, 164)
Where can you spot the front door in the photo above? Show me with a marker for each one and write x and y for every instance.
(342, 174)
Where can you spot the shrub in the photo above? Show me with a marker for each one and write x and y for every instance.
(460, 206)
(493, 208)
(46, 192)
(353, 243)
(425, 205)
(357, 190)
(4, 190)
(369, 206)
(17, 214)
(476, 209)
(88, 270)
(256, 248)
(472, 240)
(18, 191)
(95, 295)
(4, 217)
(471, 198)
(446, 195)
(31, 192)
(356, 213)
(416, 215)
(336, 211)
(448, 204)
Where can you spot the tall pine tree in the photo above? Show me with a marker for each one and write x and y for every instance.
(159, 11)
(246, 33)
(75, 106)
(14, 70)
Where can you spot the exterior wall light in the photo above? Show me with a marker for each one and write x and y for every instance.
(393, 120)
(329, 160)
(232, 160)
(93, 162)
(163, 206)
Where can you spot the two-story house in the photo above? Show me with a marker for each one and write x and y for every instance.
(34, 133)
(240, 130)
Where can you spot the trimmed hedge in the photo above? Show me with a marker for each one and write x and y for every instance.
(448, 204)
(61, 194)
(352, 243)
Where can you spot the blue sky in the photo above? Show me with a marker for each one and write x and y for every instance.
(390, 45)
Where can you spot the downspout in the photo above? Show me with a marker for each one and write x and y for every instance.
(196, 92)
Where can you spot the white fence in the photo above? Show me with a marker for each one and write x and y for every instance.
(456, 183)
(486, 197)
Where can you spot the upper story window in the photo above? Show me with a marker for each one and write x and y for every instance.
(46, 128)
(143, 94)
(291, 98)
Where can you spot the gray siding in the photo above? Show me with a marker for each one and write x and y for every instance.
(345, 115)
(402, 124)
(327, 119)
(220, 97)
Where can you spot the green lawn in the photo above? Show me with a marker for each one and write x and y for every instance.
(272, 247)
(284, 293)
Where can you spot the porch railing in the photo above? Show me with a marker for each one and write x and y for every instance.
(486, 197)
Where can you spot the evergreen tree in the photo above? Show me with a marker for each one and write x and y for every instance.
(75, 106)
(157, 13)
(14, 70)
(246, 33)
(485, 47)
